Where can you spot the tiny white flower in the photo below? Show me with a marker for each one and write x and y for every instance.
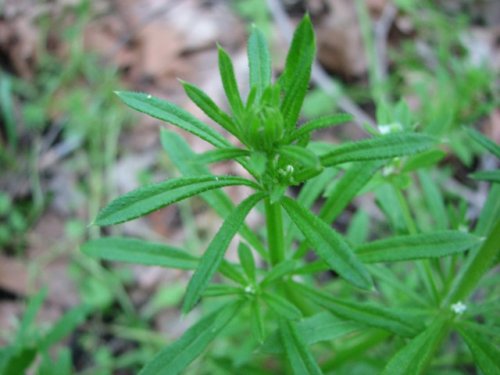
(289, 169)
(149, 96)
(249, 289)
(459, 308)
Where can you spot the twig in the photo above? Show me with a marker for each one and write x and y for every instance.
(319, 75)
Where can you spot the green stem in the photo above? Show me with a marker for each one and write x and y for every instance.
(275, 233)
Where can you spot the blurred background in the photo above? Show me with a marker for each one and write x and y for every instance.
(68, 146)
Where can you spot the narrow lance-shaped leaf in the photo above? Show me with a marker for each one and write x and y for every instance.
(434, 199)
(328, 244)
(298, 355)
(415, 356)
(177, 356)
(395, 320)
(351, 183)
(281, 306)
(136, 251)
(320, 123)
(222, 154)
(185, 160)
(152, 197)
(320, 327)
(207, 105)
(419, 246)
(169, 112)
(486, 355)
(382, 147)
(210, 261)
(477, 264)
(247, 261)
(491, 176)
(229, 82)
(300, 155)
(259, 61)
(295, 78)
(484, 141)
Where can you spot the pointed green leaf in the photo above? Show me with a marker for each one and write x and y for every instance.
(281, 306)
(152, 197)
(130, 250)
(210, 261)
(185, 160)
(222, 154)
(247, 261)
(314, 329)
(476, 266)
(207, 105)
(259, 61)
(328, 244)
(413, 359)
(257, 323)
(28, 320)
(382, 147)
(295, 78)
(484, 141)
(300, 155)
(220, 290)
(486, 355)
(229, 82)
(177, 356)
(169, 112)
(491, 176)
(320, 123)
(401, 322)
(351, 183)
(434, 199)
(423, 160)
(300, 359)
(419, 246)
(276, 273)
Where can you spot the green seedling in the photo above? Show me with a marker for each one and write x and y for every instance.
(271, 291)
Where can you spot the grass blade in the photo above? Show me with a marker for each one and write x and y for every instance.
(152, 197)
(419, 246)
(300, 359)
(169, 112)
(210, 261)
(177, 356)
(382, 147)
(328, 244)
(259, 61)
(130, 250)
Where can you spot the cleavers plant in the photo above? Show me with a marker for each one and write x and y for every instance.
(288, 310)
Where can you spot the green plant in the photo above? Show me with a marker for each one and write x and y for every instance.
(408, 314)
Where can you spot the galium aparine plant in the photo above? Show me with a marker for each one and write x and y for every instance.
(272, 291)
